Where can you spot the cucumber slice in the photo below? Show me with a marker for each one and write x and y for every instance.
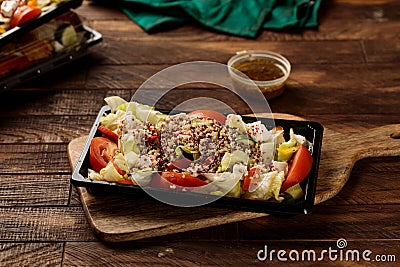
(182, 151)
(245, 139)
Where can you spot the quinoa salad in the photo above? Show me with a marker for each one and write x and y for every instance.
(202, 151)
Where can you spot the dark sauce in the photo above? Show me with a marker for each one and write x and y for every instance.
(260, 70)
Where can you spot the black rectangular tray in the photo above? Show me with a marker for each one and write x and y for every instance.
(53, 62)
(313, 132)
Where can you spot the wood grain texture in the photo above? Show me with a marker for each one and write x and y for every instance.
(312, 88)
(149, 52)
(44, 129)
(327, 105)
(378, 51)
(113, 52)
(31, 254)
(372, 181)
(44, 224)
(334, 170)
(341, 151)
(60, 102)
(358, 222)
(213, 253)
(34, 190)
(327, 222)
(75, 198)
(41, 158)
(303, 77)
(355, 222)
(148, 217)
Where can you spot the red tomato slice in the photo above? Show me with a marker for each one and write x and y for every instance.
(210, 114)
(152, 138)
(24, 14)
(13, 63)
(249, 177)
(102, 150)
(179, 164)
(108, 133)
(180, 179)
(299, 168)
(278, 128)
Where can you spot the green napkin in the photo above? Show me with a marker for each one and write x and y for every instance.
(237, 17)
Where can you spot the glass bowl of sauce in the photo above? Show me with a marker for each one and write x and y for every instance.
(265, 69)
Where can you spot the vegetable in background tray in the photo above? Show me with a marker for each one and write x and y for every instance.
(59, 35)
(15, 13)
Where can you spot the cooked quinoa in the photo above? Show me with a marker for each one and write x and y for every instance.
(205, 138)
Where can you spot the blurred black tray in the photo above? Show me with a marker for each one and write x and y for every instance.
(53, 62)
(313, 132)
(46, 16)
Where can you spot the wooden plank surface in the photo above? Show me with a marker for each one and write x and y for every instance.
(31, 254)
(34, 190)
(44, 224)
(215, 254)
(344, 74)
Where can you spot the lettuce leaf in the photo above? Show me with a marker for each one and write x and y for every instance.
(120, 161)
(112, 120)
(235, 121)
(270, 187)
(226, 183)
(110, 174)
(230, 159)
(114, 102)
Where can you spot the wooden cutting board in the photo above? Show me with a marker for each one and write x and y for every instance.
(118, 218)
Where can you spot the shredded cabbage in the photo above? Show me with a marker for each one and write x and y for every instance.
(112, 120)
(225, 182)
(269, 188)
(110, 174)
(114, 102)
(120, 161)
(128, 144)
(235, 121)
(230, 159)
(93, 175)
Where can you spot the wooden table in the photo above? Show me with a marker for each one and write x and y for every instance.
(345, 73)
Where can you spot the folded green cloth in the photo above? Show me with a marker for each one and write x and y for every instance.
(237, 17)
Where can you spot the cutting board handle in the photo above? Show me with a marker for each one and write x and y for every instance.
(377, 142)
(340, 151)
